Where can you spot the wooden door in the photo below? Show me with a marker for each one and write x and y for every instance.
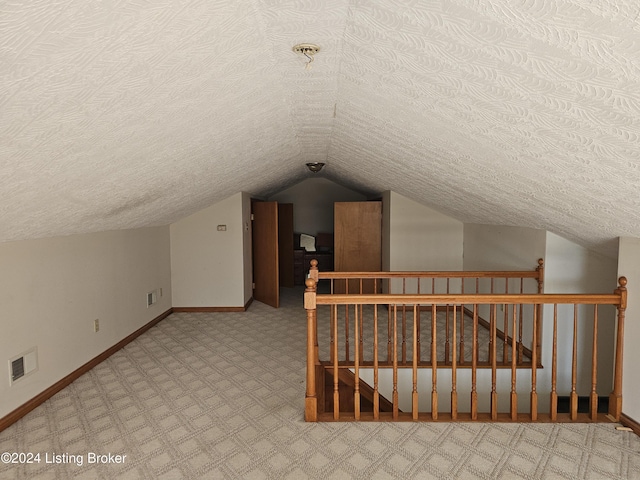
(357, 241)
(265, 253)
(285, 244)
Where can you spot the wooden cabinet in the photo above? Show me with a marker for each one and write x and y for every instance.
(325, 260)
(299, 273)
(301, 263)
(358, 241)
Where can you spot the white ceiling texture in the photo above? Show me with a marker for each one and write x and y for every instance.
(128, 113)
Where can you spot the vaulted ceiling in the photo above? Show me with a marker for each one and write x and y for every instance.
(117, 114)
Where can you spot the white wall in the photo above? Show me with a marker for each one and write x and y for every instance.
(52, 290)
(494, 247)
(571, 268)
(629, 266)
(421, 238)
(416, 237)
(313, 201)
(208, 267)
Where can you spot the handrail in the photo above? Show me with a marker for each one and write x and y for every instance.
(434, 274)
(462, 299)
(537, 273)
(399, 303)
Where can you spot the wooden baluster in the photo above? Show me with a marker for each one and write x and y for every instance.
(433, 286)
(356, 366)
(332, 338)
(404, 325)
(520, 328)
(494, 373)
(361, 289)
(417, 320)
(361, 333)
(505, 343)
(336, 385)
(414, 392)
(446, 329)
(389, 331)
(554, 368)
(474, 365)
(534, 367)
(462, 324)
(615, 398)
(376, 394)
(593, 403)
(538, 343)
(347, 346)
(454, 371)
(492, 321)
(477, 340)
(311, 397)
(573, 396)
(395, 362)
(434, 364)
(514, 392)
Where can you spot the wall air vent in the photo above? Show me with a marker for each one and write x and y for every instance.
(17, 369)
(152, 297)
(23, 365)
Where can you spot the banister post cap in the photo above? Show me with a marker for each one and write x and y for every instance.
(310, 283)
(622, 281)
(314, 263)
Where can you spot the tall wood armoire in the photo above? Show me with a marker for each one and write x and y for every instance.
(357, 241)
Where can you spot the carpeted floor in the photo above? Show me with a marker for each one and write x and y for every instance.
(221, 395)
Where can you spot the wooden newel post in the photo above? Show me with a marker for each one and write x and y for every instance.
(615, 399)
(540, 270)
(311, 397)
(313, 274)
(313, 270)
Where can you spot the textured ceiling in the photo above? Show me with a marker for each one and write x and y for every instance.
(118, 114)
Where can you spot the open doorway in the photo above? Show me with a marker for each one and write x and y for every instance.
(272, 250)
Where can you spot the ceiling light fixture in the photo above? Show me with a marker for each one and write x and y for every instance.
(315, 167)
(308, 50)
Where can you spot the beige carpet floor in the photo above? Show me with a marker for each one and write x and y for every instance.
(221, 395)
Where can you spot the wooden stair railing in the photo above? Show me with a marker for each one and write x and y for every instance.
(397, 352)
(493, 282)
(347, 388)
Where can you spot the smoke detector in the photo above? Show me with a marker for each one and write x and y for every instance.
(308, 50)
